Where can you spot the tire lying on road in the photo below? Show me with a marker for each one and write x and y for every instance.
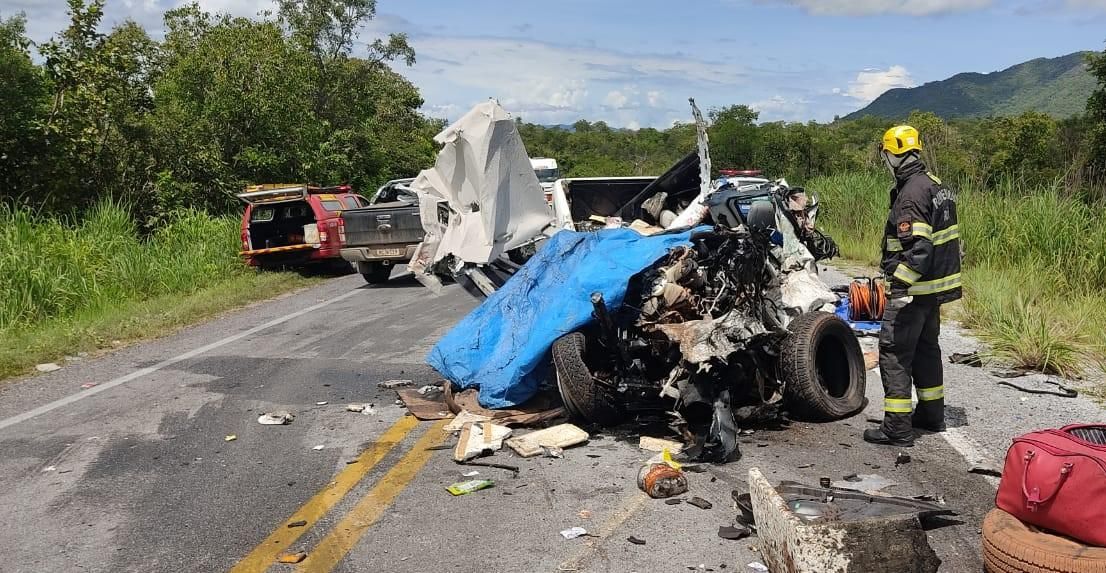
(1010, 546)
(583, 397)
(375, 273)
(822, 368)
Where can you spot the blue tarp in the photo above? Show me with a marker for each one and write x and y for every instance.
(842, 311)
(503, 346)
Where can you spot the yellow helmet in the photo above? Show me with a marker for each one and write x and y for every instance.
(901, 139)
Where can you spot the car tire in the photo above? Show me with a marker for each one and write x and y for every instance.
(375, 273)
(1010, 546)
(822, 368)
(582, 396)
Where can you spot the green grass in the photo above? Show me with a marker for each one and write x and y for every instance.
(80, 285)
(1035, 264)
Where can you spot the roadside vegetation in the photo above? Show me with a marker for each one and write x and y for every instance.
(76, 285)
(1035, 263)
(120, 155)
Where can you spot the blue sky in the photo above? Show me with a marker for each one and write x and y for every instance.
(635, 62)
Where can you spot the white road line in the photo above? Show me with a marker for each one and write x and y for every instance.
(17, 419)
(967, 448)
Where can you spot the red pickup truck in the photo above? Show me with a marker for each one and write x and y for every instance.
(295, 225)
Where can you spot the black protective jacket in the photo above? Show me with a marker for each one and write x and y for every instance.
(921, 240)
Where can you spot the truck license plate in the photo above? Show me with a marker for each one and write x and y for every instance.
(388, 252)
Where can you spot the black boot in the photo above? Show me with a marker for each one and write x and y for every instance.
(876, 436)
(921, 424)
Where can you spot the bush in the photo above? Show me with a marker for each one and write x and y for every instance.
(54, 267)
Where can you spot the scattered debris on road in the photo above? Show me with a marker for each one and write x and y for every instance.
(635, 540)
(479, 439)
(902, 458)
(360, 408)
(733, 533)
(1061, 390)
(279, 418)
(318, 447)
(463, 419)
(659, 445)
(867, 483)
(662, 481)
(584, 514)
(509, 468)
(429, 389)
(700, 503)
(536, 443)
(230, 438)
(425, 407)
(88, 385)
(466, 487)
(973, 359)
(49, 469)
(985, 470)
(47, 367)
(299, 523)
(757, 566)
(393, 384)
(323, 403)
(574, 532)
(473, 473)
(292, 557)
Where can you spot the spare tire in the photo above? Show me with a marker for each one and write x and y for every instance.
(1010, 546)
(583, 397)
(822, 368)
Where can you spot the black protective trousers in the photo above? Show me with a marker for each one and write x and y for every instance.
(910, 355)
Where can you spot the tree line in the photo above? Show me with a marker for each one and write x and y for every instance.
(218, 103)
(1033, 147)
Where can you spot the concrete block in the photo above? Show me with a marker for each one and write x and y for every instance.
(895, 544)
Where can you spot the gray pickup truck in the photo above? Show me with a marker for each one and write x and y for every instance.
(385, 233)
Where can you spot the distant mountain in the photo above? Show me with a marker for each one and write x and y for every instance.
(569, 127)
(1056, 86)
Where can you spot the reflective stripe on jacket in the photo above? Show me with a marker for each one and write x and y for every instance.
(921, 240)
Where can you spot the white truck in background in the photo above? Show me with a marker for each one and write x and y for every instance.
(547, 171)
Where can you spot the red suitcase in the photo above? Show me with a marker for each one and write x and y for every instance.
(1056, 479)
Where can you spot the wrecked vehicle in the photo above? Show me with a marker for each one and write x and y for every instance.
(709, 327)
(384, 233)
(295, 225)
(707, 340)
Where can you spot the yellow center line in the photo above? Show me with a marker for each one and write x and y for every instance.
(283, 537)
(341, 539)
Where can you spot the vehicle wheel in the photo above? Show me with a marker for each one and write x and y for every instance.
(822, 368)
(1010, 546)
(583, 398)
(375, 273)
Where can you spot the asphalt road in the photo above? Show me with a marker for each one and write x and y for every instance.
(136, 473)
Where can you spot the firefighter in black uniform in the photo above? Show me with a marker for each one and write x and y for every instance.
(921, 260)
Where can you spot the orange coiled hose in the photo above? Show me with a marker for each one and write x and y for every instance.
(867, 300)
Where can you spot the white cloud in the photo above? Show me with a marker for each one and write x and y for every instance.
(779, 107)
(551, 83)
(871, 83)
(616, 99)
(247, 8)
(909, 7)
